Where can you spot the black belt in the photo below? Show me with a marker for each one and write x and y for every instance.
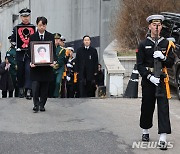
(150, 69)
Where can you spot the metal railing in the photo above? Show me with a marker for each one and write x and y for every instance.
(4, 2)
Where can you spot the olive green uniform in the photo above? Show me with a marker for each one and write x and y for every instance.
(59, 69)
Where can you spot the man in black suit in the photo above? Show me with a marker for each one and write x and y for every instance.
(41, 75)
(86, 67)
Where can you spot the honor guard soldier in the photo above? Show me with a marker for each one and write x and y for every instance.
(71, 76)
(21, 37)
(153, 48)
(59, 67)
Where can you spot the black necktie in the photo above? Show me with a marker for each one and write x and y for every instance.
(41, 37)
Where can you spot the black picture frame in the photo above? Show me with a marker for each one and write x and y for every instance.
(41, 53)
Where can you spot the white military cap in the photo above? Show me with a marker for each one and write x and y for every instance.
(155, 18)
(62, 38)
(71, 48)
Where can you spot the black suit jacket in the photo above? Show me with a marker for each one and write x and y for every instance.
(86, 63)
(41, 73)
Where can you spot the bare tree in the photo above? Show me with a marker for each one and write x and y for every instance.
(130, 24)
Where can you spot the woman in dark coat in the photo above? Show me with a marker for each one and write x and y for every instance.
(6, 83)
(100, 76)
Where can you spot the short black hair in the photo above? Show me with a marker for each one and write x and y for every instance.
(86, 36)
(43, 19)
(41, 48)
(9, 37)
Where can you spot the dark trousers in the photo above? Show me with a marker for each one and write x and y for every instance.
(23, 74)
(148, 106)
(63, 91)
(4, 94)
(86, 88)
(76, 90)
(52, 86)
(70, 90)
(40, 93)
(20, 74)
(15, 85)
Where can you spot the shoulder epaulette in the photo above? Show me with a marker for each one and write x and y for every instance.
(171, 44)
(9, 49)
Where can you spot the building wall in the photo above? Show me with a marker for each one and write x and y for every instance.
(72, 18)
(6, 22)
(108, 11)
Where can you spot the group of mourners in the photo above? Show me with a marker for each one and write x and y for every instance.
(71, 74)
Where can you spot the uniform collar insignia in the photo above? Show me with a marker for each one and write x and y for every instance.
(160, 39)
(148, 47)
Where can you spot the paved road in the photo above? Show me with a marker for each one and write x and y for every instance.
(79, 126)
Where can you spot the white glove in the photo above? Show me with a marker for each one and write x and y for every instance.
(154, 80)
(18, 49)
(68, 78)
(32, 65)
(7, 66)
(69, 65)
(158, 54)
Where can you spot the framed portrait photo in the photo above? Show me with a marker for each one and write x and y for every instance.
(41, 53)
(22, 38)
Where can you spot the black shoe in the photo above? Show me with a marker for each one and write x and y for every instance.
(28, 95)
(42, 109)
(36, 109)
(21, 93)
(162, 145)
(145, 137)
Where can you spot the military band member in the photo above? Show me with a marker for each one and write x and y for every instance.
(145, 64)
(22, 57)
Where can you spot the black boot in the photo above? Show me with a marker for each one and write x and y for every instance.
(145, 137)
(162, 145)
(21, 93)
(28, 94)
